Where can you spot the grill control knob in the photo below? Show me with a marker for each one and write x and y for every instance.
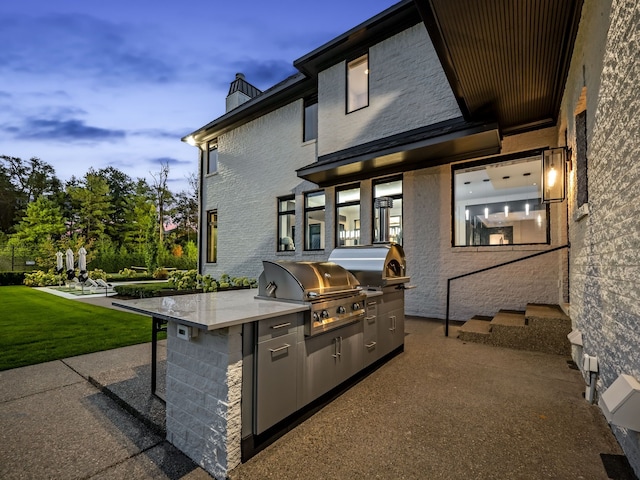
(355, 306)
(325, 314)
(341, 309)
(316, 317)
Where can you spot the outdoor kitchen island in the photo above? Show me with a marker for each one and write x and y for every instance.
(240, 367)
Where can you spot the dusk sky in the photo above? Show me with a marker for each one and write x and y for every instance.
(118, 83)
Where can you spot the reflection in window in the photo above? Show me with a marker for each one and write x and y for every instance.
(500, 204)
(348, 216)
(391, 189)
(212, 236)
(310, 119)
(212, 159)
(314, 221)
(358, 83)
(286, 223)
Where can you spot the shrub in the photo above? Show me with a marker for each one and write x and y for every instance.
(161, 274)
(140, 290)
(128, 273)
(184, 279)
(41, 279)
(208, 284)
(97, 273)
(11, 278)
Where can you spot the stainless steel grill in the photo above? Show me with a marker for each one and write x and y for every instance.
(374, 266)
(333, 293)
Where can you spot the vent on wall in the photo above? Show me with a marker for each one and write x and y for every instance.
(620, 403)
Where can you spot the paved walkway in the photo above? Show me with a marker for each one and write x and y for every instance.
(442, 409)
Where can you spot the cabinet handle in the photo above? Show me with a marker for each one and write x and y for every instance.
(279, 349)
(392, 318)
(335, 349)
(370, 319)
(282, 325)
(370, 345)
(371, 304)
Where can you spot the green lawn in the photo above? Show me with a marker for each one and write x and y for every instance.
(38, 327)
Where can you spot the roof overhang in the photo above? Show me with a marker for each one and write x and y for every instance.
(424, 147)
(505, 60)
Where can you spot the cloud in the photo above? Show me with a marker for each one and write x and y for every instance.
(159, 133)
(81, 46)
(72, 130)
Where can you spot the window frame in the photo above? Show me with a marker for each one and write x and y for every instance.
(308, 209)
(582, 160)
(281, 213)
(349, 61)
(380, 181)
(309, 102)
(212, 236)
(491, 161)
(211, 146)
(351, 203)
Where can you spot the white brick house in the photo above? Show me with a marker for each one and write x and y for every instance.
(405, 109)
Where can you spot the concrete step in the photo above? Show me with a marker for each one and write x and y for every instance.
(474, 330)
(541, 328)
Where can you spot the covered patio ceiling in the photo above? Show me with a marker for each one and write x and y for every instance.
(506, 60)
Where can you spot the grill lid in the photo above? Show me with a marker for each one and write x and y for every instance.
(376, 265)
(304, 281)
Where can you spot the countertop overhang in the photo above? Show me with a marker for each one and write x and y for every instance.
(213, 311)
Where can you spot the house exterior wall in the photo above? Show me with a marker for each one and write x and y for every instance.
(605, 245)
(432, 259)
(407, 89)
(256, 164)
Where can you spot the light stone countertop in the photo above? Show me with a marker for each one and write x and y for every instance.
(212, 311)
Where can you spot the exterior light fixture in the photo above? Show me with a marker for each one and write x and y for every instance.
(553, 170)
(191, 141)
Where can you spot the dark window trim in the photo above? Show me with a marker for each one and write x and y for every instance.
(488, 161)
(311, 100)
(312, 209)
(284, 198)
(582, 160)
(346, 82)
(339, 189)
(209, 239)
(213, 145)
(397, 196)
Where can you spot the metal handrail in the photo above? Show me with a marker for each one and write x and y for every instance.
(449, 280)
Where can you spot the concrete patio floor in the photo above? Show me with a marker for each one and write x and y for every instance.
(442, 409)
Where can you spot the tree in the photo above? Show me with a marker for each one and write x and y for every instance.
(121, 191)
(93, 205)
(184, 213)
(163, 196)
(141, 216)
(41, 226)
(9, 198)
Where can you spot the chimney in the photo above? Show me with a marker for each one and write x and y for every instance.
(240, 91)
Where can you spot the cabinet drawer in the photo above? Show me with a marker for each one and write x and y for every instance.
(278, 326)
(276, 386)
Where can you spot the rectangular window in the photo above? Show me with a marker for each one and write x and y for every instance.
(314, 221)
(500, 203)
(358, 83)
(212, 159)
(348, 216)
(286, 223)
(387, 202)
(581, 158)
(310, 119)
(212, 236)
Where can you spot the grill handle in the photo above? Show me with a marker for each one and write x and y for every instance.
(281, 325)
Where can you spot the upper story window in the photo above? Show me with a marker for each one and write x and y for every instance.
(581, 159)
(286, 223)
(348, 216)
(314, 220)
(387, 195)
(358, 83)
(310, 119)
(212, 158)
(212, 236)
(500, 203)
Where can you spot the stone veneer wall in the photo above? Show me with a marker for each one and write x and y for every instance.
(605, 244)
(204, 384)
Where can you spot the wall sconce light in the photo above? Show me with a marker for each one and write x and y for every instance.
(553, 175)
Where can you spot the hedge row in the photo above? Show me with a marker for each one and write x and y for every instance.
(11, 278)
